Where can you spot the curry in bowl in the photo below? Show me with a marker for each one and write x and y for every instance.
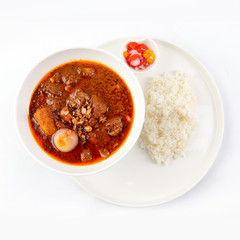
(81, 112)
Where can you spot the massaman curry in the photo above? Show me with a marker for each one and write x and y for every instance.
(81, 112)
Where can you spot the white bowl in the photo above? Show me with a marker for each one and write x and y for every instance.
(150, 44)
(51, 62)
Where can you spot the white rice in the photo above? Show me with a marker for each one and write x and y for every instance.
(170, 116)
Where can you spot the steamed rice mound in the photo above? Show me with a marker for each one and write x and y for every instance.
(170, 116)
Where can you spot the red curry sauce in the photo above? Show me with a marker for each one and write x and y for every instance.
(54, 90)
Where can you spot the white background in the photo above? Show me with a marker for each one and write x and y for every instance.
(37, 203)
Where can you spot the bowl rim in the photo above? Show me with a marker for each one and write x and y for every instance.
(139, 122)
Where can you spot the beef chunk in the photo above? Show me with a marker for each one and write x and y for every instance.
(44, 118)
(55, 103)
(92, 137)
(53, 89)
(86, 155)
(77, 98)
(88, 72)
(65, 115)
(56, 78)
(101, 136)
(71, 75)
(118, 108)
(114, 126)
(104, 152)
(99, 107)
(92, 122)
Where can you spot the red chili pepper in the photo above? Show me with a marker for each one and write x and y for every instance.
(132, 45)
(142, 48)
(126, 54)
(135, 60)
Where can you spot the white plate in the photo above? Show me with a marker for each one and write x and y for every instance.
(136, 181)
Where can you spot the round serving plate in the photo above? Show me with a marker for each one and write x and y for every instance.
(136, 181)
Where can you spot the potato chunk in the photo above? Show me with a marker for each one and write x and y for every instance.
(44, 118)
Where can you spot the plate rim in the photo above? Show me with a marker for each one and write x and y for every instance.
(218, 139)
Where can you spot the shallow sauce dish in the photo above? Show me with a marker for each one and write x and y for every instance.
(51, 62)
(150, 44)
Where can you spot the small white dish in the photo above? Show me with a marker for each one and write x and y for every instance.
(150, 44)
(136, 181)
(24, 96)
